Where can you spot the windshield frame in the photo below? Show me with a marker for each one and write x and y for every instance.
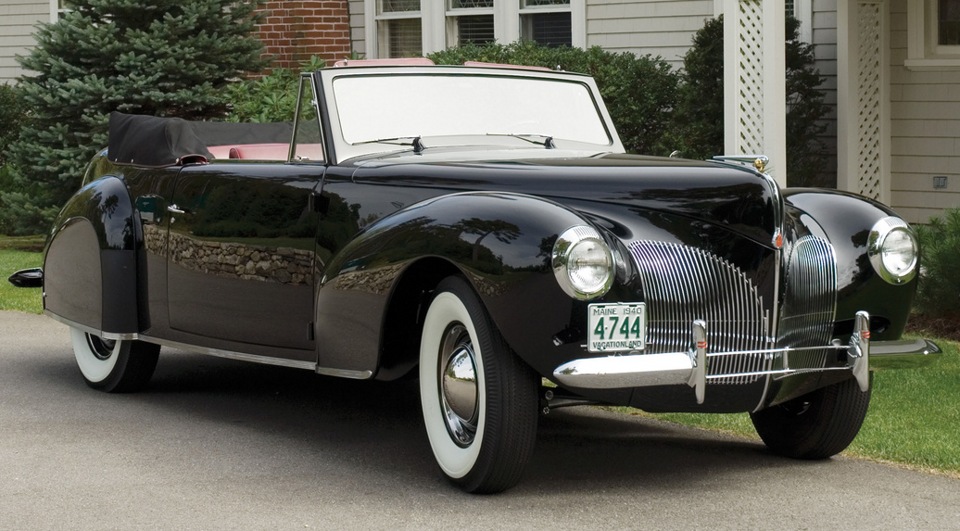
(344, 150)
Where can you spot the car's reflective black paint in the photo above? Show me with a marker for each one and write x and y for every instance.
(332, 265)
(367, 224)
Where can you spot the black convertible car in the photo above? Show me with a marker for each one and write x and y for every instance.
(481, 228)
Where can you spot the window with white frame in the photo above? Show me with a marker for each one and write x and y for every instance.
(948, 23)
(546, 22)
(399, 27)
(933, 35)
(58, 8)
(447, 23)
(469, 22)
(802, 10)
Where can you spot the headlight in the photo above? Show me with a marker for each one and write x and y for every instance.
(583, 263)
(892, 248)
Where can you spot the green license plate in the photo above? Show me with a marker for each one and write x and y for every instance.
(616, 327)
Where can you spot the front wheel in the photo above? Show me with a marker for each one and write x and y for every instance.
(479, 399)
(114, 366)
(816, 425)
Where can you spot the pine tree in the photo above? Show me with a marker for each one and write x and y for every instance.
(163, 57)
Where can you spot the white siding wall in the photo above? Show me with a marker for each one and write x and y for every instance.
(17, 19)
(824, 37)
(925, 130)
(662, 28)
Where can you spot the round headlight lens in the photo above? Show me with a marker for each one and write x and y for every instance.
(583, 263)
(589, 265)
(899, 252)
(893, 250)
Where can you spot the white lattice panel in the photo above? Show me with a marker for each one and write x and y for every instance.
(749, 67)
(869, 102)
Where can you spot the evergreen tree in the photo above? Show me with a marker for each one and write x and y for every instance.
(697, 131)
(163, 57)
(806, 152)
(698, 119)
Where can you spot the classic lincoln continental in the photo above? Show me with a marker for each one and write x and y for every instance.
(481, 228)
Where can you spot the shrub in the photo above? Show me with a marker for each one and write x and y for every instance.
(938, 296)
(270, 98)
(640, 92)
(697, 130)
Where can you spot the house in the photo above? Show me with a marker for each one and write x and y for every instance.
(17, 20)
(892, 67)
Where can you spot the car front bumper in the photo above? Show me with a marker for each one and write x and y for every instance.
(692, 367)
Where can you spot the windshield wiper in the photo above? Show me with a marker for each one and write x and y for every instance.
(413, 141)
(546, 140)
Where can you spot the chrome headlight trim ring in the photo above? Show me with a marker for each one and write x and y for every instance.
(583, 263)
(893, 250)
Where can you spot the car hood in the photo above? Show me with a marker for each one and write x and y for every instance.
(731, 195)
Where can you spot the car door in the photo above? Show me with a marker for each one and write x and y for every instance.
(241, 253)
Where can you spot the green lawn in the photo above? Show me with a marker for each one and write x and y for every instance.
(914, 416)
(913, 419)
(13, 298)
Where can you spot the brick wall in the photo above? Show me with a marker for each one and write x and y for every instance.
(294, 30)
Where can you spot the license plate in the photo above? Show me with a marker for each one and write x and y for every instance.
(616, 327)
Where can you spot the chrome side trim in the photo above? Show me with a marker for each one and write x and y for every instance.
(344, 373)
(89, 330)
(229, 354)
(241, 356)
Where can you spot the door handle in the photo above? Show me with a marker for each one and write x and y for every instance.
(174, 209)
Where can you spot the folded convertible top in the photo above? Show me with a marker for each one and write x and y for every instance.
(156, 142)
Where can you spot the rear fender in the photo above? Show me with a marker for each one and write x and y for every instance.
(500, 242)
(91, 262)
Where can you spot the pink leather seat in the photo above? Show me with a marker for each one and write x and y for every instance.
(260, 151)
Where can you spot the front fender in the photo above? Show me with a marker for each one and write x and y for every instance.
(91, 262)
(500, 242)
(846, 220)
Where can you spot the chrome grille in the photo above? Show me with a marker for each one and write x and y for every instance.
(809, 300)
(682, 284)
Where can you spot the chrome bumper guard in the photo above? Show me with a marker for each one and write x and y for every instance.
(691, 367)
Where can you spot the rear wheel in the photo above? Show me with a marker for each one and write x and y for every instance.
(479, 399)
(816, 425)
(114, 366)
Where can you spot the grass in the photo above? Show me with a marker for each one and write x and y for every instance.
(913, 417)
(22, 243)
(12, 259)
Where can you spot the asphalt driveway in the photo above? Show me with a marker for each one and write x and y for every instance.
(219, 444)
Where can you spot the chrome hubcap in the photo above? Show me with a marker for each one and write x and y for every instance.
(458, 385)
(101, 348)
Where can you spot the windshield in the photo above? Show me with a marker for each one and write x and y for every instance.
(374, 108)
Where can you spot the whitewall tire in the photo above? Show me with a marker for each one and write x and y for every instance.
(114, 366)
(479, 399)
